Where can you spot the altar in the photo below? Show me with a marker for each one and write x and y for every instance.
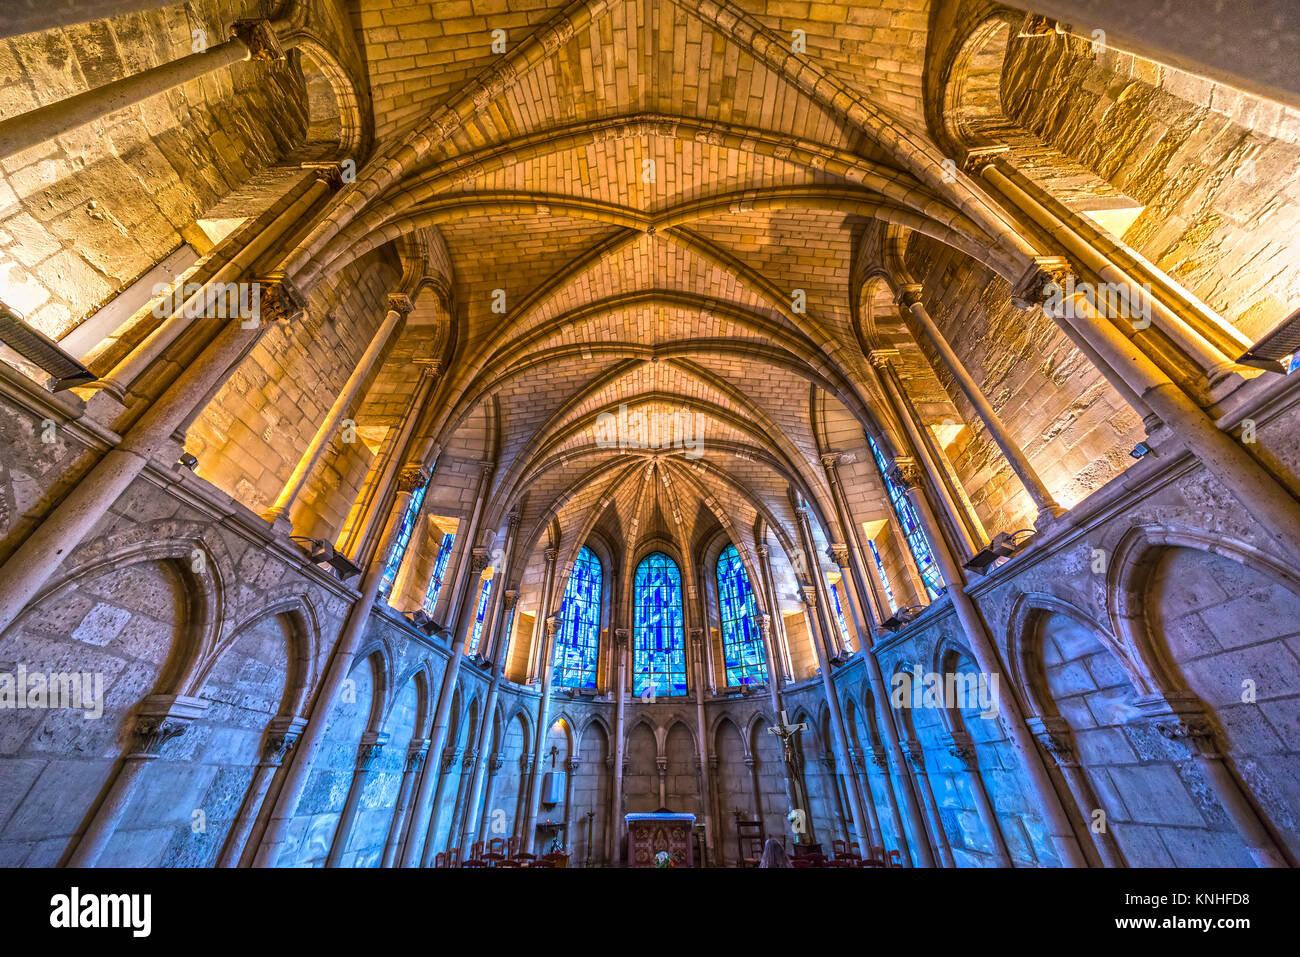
(652, 832)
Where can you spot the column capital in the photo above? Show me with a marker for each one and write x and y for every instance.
(510, 596)
(696, 635)
(809, 595)
(906, 473)
(961, 747)
(1035, 286)
(412, 478)
(915, 755)
(763, 550)
(552, 555)
(909, 294)
(880, 757)
(281, 735)
(415, 755)
(331, 174)
(259, 37)
(372, 744)
(764, 621)
(979, 158)
(400, 302)
(152, 731)
(880, 358)
(449, 758)
(838, 552)
(621, 636)
(279, 300)
(479, 558)
(552, 623)
(829, 461)
(512, 519)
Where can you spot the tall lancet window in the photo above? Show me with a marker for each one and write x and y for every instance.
(578, 641)
(483, 597)
(742, 645)
(659, 652)
(403, 539)
(439, 573)
(911, 522)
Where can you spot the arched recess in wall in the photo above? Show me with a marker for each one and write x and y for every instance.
(139, 619)
(1209, 616)
(734, 787)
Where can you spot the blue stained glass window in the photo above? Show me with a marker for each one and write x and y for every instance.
(403, 539)
(742, 645)
(478, 615)
(659, 654)
(439, 573)
(1295, 363)
(578, 642)
(839, 614)
(912, 531)
(884, 579)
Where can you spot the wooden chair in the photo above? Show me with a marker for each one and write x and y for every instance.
(453, 857)
(493, 859)
(875, 857)
(839, 849)
(474, 863)
(854, 853)
(525, 859)
(507, 862)
(497, 846)
(440, 859)
(476, 851)
(750, 839)
(512, 847)
(533, 865)
(895, 859)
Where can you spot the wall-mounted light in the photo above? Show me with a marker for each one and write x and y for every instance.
(1140, 450)
(41, 351)
(188, 460)
(1003, 545)
(323, 553)
(895, 622)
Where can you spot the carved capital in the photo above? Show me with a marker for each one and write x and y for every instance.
(763, 550)
(881, 358)
(838, 553)
(905, 473)
(552, 554)
(415, 756)
(278, 300)
(449, 758)
(981, 158)
(1045, 274)
(621, 636)
(478, 560)
(764, 624)
(552, 624)
(400, 302)
(830, 460)
(915, 756)
(809, 595)
(371, 746)
(153, 731)
(510, 596)
(961, 747)
(512, 519)
(260, 39)
(1194, 730)
(331, 174)
(909, 294)
(497, 762)
(277, 746)
(412, 478)
(880, 758)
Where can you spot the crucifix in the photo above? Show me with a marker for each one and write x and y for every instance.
(786, 732)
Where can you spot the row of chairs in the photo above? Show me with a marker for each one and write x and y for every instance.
(498, 852)
(850, 856)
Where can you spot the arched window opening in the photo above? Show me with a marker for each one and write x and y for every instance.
(884, 579)
(742, 646)
(917, 543)
(659, 654)
(403, 540)
(578, 642)
(839, 614)
(483, 597)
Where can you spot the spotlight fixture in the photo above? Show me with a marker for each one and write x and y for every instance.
(188, 460)
(1271, 352)
(40, 350)
(1004, 545)
(421, 620)
(903, 616)
(841, 656)
(1140, 450)
(477, 659)
(323, 553)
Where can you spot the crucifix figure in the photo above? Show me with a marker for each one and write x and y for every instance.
(799, 813)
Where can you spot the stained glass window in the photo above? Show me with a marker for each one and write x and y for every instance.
(912, 531)
(478, 615)
(403, 539)
(839, 614)
(884, 579)
(439, 573)
(742, 645)
(578, 641)
(659, 654)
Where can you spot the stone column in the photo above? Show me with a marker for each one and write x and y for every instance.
(340, 663)
(150, 439)
(909, 297)
(1057, 822)
(428, 834)
(570, 770)
(1181, 720)
(956, 519)
(455, 831)
(697, 653)
(158, 719)
(916, 756)
(281, 734)
(495, 762)
(781, 643)
(1054, 735)
(620, 719)
(543, 713)
(250, 39)
(399, 306)
(416, 753)
(372, 745)
(421, 818)
(858, 767)
(858, 565)
(839, 554)
(832, 694)
(962, 748)
(902, 782)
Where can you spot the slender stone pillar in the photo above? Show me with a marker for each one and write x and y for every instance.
(456, 851)
(916, 757)
(281, 735)
(371, 746)
(416, 753)
(839, 554)
(620, 721)
(1182, 720)
(250, 39)
(340, 663)
(494, 764)
(858, 767)
(399, 306)
(894, 784)
(697, 653)
(781, 642)
(429, 830)
(908, 477)
(909, 297)
(866, 584)
(962, 748)
(420, 837)
(31, 565)
(543, 713)
(159, 719)
(1055, 738)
